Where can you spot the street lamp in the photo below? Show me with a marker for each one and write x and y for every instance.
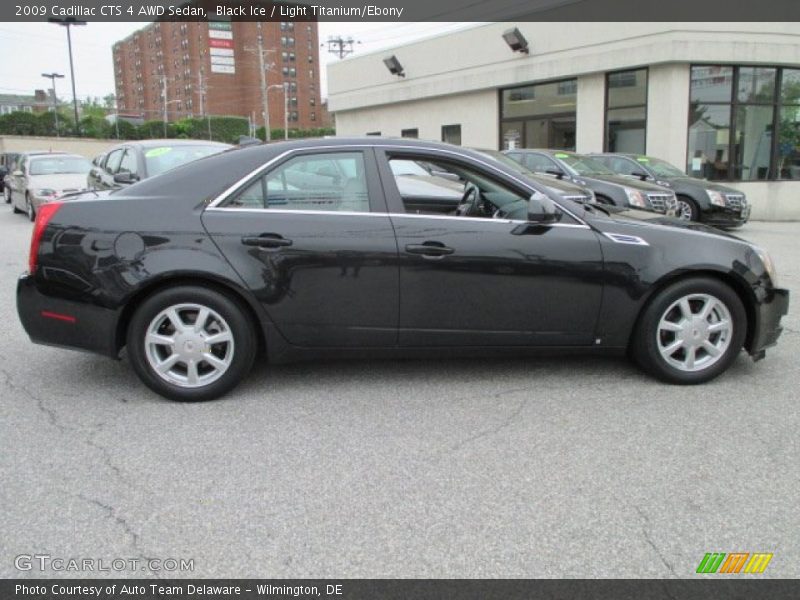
(66, 23)
(283, 86)
(52, 77)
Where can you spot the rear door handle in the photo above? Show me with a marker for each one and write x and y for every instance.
(429, 249)
(266, 240)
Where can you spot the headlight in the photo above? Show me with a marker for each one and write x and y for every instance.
(716, 198)
(636, 198)
(45, 192)
(769, 264)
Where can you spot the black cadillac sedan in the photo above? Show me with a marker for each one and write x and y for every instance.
(698, 199)
(309, 249)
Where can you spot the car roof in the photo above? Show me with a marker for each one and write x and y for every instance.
(39, 152)
(60, 154)
(171, 142)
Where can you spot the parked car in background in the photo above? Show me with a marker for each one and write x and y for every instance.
(698, 199)
(608, 187)
(7, 162)
(561, 188)
(195, 270)
(97, 168)
(44, 176)
(130, 162)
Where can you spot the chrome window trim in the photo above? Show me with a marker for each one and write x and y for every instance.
(342, 213)
(221, 197)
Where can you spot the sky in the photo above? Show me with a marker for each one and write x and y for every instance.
(30, 49)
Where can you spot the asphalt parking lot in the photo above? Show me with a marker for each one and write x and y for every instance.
(571, 467)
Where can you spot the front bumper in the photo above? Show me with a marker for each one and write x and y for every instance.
(60, 322)
(719, 216)
(768, 321)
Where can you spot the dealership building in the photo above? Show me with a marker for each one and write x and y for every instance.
(707, 97)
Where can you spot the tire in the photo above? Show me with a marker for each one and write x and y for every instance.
(664, 340)
(688, 209)
(30, 209)
(7, 194)
(14, 208)
(233, 355)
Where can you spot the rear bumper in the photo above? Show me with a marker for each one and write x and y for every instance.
(768, 321)
(59, 322)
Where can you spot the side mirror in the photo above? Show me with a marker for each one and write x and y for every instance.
(641, 175)
(125, 177)
(557, 172)
(542, 210)
(18, 173)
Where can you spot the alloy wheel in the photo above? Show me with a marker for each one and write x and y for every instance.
(189, 345)
(694, 332)
(685, 210)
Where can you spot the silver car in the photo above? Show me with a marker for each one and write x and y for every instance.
(43, 177)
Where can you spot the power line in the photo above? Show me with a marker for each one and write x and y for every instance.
(340, 46)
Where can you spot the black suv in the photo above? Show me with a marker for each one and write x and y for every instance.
(698, 199)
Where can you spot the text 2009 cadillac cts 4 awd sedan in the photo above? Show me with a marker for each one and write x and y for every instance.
(316, 249)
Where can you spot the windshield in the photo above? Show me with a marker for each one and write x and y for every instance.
(164, 158)
(583, 165)
(660, 168)
(505, 160)
(62, 165)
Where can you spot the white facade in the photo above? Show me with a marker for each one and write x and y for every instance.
(456, 79)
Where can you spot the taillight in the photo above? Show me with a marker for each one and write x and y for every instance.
(43, 216)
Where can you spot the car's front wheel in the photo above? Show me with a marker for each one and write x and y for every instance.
(691, 331)
(190, 343)
(688, 209)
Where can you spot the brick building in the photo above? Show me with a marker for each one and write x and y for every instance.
(213, 68)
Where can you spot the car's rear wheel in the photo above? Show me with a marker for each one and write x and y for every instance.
(687, 209)
(30, 209)
(691, 331)
(191, 344)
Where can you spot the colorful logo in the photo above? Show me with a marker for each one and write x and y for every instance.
(736, 562)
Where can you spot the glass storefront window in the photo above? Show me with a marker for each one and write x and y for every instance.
(626, 129)
(711, 84)
(626, 111)
(539, 99)
(709, 141)
(756, 84)
(539, 116)
(753, 142)
(749, 131)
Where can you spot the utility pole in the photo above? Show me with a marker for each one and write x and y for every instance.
(263, 67)
(52, 77)
(202, 103)
(68, 22)
(164, 95)
(340, 46)
(264, 98)
(285, 111)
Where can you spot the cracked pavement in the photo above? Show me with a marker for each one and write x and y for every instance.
(567, 467)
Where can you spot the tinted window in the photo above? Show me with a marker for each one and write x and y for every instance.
(163, 158)
(539, 163)
(128, 164)
(113, 160)
(317, 182)
(59, 165)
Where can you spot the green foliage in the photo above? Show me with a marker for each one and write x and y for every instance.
(94, 125)
(277, 134)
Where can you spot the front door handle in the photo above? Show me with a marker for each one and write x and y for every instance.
(266, 240)
(429, 249)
